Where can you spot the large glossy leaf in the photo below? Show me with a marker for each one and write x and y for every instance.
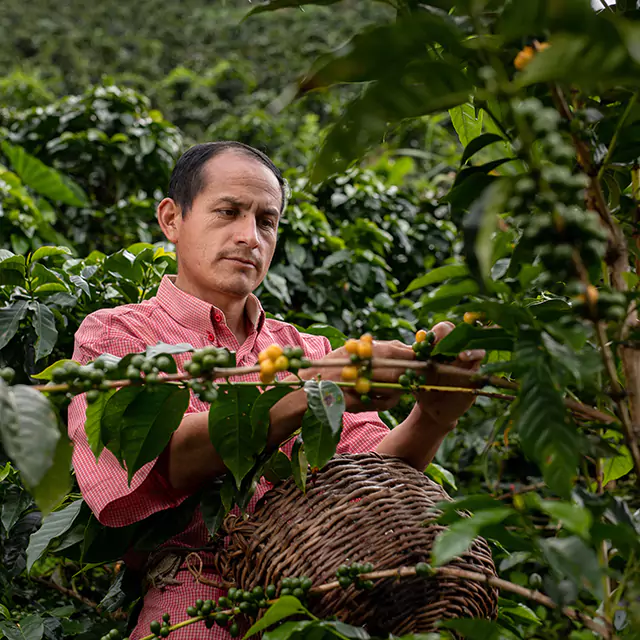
(10, 317)
(113, 415)
(438, 275)
(44, 324)
(260, 415)
(428, 87)
(212, 509)
(322, 424)
(30, 628)
(299, 465)
(15, 501)
(274, 5)
(31, 438)
(92, 424)
(541, 420)
(230, 429)
(53, 526)
(466, 122)
(284, 607)
(47, 252)
(384, 51)
(12, 270)
(455, 540)
(478, 629)
(138, 432)
(479, 143)
(42, 179)
(56, 482)
(466, 336)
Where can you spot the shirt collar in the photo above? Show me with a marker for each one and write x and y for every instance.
(196, 314)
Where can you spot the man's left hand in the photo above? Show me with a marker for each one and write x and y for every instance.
(444, 408)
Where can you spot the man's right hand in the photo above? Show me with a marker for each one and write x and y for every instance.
(381, 399)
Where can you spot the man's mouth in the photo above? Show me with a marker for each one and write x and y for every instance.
(247, 263)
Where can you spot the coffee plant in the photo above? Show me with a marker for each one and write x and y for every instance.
(529, 245)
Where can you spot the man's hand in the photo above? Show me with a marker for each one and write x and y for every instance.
(381, 399)
(444, 408)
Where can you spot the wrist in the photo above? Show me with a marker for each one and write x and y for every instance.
(436, 423)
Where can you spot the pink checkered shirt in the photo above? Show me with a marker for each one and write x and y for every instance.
(173, 316)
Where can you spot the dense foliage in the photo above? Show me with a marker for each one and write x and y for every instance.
(524, 235)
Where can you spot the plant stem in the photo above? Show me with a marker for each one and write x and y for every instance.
(616, 133)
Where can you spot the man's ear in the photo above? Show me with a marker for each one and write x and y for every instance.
(170, 219)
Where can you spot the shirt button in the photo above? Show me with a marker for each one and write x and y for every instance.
(217, 317)
(211, 337)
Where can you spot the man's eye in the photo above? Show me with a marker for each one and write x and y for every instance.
(268, 222)
(227, 212)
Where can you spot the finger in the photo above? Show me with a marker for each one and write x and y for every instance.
(472, 355)
(393, 349)
(442, 329)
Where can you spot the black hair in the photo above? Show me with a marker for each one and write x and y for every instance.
(187, 176)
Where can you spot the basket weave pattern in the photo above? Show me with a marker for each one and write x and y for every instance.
(359, 508)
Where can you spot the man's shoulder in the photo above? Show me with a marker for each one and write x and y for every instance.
(123, 318)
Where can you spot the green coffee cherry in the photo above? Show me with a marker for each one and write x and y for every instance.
(154, 627)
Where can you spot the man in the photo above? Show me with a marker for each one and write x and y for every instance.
(222, 212)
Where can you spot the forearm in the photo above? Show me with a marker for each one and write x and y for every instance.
(416, 440)
(192, 457)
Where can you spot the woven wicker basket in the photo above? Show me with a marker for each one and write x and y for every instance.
(359, 508)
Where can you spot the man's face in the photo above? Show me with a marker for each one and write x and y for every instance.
(226, 241)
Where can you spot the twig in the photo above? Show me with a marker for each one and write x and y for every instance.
(72, 593)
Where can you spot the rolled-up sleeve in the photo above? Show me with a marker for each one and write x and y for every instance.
(103, 482)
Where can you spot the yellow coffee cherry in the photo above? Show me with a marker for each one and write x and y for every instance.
(363, 385)
(273, 352)
(366, 337)
(523, 58)
(262, 356)
(471, 317)
(349, 373)
(351, 346)
(281, 363)
(421, 335)
(266, 378)
(365, 349)
(267, 368)
(591, 295)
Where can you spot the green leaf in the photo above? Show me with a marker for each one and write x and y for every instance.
(322, 434)
(448, 295)
(518, 612)
(15, 501)
(286, 630)
(479, 227)
(56, 482)
(30, 628)
(455, 540)
(273, 5)
(466, 122)
(113, 417)
(12, 270)
(44, 324)
(278, 468)
(54, 525)
(479, 143)
(573, 517)
(10, 321)
(283, 607)
(423, 88)
(47, 374)
(441, 475)
(42, 179)
(92, 424)
(260, 415)
(541, 420)
(335, 337)
(299, 465)
(342, 630)
(212, 509)
(47, 251)
(146, 425)
(438, 275)
(230, 429)
(161, 348)
(31, 437)
(618, 466)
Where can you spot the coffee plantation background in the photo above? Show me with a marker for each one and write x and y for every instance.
(97, 102)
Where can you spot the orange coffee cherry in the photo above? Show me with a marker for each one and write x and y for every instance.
(351, 346)
(274, 351)
(363, 385)
(281, 363)
(523, 58)
(365, 349)
(366, 337)
(421, 335)
(349, 373)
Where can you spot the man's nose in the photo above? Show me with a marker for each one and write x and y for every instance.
(246, 231)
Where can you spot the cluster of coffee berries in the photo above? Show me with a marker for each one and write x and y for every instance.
(422, 347)
(296, 587)
(90, 378)
(151, 367)
(114, 634)
(594, 304)
(204, 361)
(350, 574)
(360, 353)
(276, 358)
(7, 374)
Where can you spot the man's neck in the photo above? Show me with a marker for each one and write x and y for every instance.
(232, 307)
